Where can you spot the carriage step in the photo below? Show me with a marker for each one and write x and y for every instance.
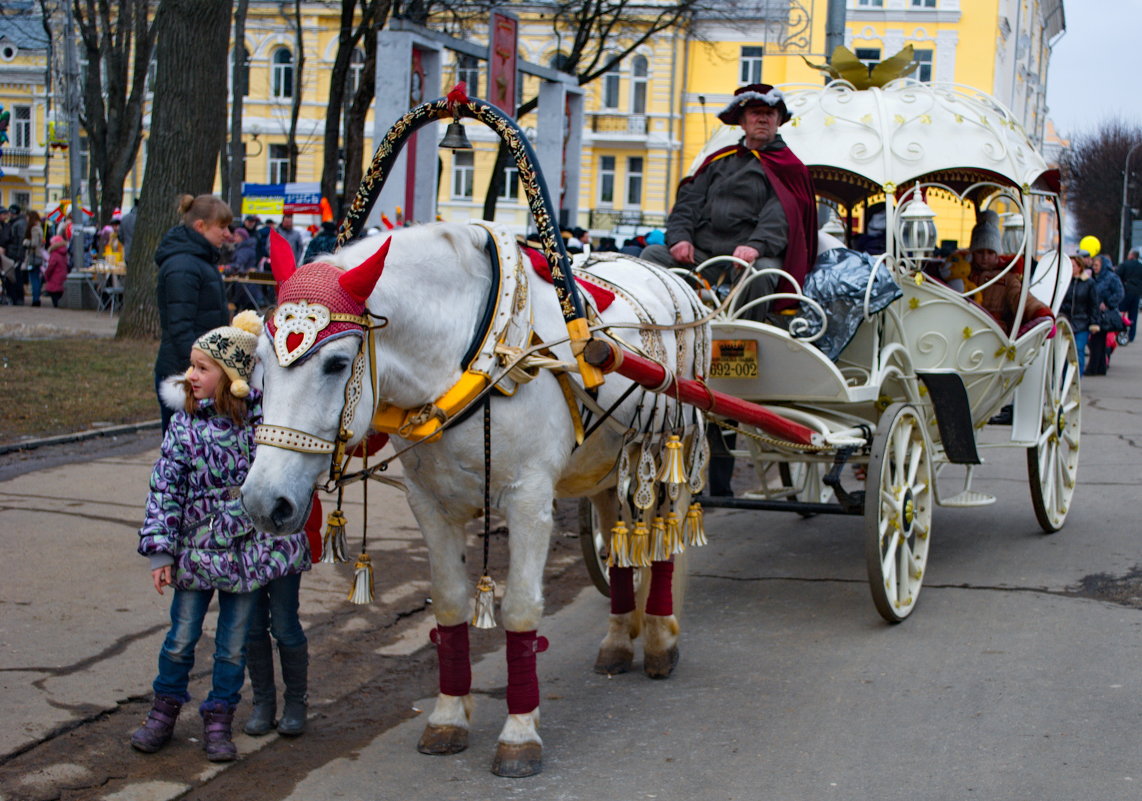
(969, 498)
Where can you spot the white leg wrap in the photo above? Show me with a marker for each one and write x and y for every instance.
(520, 729)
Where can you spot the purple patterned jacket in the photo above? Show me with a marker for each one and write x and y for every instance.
(192, 520)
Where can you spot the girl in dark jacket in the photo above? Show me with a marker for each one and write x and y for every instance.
(1080, 307)
(191, 295)
(55, 273)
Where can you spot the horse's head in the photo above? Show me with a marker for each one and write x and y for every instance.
(307, 352)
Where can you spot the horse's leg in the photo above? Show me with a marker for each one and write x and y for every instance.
(616, 651)
(447, 729)
(519, 751)
(660, 640)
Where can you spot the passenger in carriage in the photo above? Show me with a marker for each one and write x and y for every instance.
(753, 200)
(1001, 299)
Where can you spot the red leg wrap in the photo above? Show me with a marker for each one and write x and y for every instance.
(622, 590)
(452, 654)
(660, 601)
(523, 683)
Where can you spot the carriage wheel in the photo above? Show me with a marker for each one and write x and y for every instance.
(593, 540)
(898, 511)
(1053, 461)
(808, 482)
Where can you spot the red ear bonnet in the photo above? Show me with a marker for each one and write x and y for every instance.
(282, 260)
(362, 279)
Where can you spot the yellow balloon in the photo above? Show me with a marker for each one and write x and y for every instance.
(1090, 244)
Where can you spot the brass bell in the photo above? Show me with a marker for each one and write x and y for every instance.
(455, 138)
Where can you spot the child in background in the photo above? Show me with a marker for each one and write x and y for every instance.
(200, 540)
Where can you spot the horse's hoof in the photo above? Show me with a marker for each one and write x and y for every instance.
(613, 661)
(518, 761)
(442, 740)
(660, 666)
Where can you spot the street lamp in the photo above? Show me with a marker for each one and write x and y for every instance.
(1125, 208)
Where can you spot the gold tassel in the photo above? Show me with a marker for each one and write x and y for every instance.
(333, 543)
(640, 545)
(672, 471)
(362, 592)
(485, 615)
(620, 547)
(695, 534)
(659, 548)
(674, 542)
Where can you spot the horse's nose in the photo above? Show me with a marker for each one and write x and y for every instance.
(282, 513)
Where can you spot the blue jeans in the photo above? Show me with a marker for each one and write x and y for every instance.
(176, 658)
(1080, 345)
(276, 611)
(37, 279)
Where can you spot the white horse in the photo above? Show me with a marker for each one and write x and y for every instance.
(433, 294)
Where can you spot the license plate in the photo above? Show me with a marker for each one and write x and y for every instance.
(734, 358)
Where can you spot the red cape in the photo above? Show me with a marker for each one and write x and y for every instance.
(790, 179)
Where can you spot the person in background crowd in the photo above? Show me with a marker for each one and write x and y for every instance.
(292, 235)
(127, 229)
(324, 242)
(263, 251)
(55, 273)
(1109, 319)
(1080, 306)
(34, 255)
(1130, 273)
(191, 295)
(14, 250)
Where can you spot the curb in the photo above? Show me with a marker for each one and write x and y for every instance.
(78, 436)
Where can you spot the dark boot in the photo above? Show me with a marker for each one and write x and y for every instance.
(260, 666)
(295, 677)
(157, 729)
(217, 718)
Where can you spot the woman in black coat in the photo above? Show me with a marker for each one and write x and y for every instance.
(191, 295)
(1080, 307)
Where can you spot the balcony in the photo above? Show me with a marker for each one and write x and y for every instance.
(627, 124)
(16, 158)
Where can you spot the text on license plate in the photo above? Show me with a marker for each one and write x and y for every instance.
(734, 358)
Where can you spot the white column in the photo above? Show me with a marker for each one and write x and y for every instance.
(944, 70)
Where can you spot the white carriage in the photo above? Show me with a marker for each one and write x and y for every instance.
(910, 393)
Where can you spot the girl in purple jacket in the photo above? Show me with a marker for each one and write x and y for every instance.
(199, 539)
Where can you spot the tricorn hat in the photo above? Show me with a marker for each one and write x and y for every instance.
(754, 94)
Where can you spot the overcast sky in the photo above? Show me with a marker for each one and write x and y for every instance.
(1095, 66)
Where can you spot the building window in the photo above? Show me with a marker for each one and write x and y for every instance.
(468, 71)
(21, 127)
(924, 59)
(923, 3)
(869, 56)
(282, 73)
(607, 180)
(751, 64)
(611, 87)
(638, 85)
(279, 164)
(463, 174)
(634, 181)
(22, 199)
(870, 3)
(510, 188)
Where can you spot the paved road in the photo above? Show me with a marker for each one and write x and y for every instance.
(1006, 683)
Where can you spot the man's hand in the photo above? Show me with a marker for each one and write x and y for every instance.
(683, 252)
(746, 253)
(161, 576)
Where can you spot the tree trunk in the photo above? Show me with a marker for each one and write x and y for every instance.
(355, 117)
(295, 101)
(188, 128)
(236, 158)
(347, 42)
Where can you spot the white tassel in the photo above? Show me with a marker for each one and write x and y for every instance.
(485, 615)
(362, 592)
(333, 544)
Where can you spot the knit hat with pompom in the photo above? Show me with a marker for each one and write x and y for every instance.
(233, 347)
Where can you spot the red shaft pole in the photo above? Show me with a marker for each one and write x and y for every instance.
(652, 375)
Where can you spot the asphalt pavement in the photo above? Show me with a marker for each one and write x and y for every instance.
(1017, 677)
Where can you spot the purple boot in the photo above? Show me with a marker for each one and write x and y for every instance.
(217, 718)
(156, 731)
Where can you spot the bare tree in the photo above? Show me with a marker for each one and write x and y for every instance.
(117, 40)
(1092, 171)
(234, 157)
(295, 100)
(188, 128)
(591, 38)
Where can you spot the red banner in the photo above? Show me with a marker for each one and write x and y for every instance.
(502, 58)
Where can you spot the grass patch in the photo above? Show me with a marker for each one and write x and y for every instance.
(56, 386)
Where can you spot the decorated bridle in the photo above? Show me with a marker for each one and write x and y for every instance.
(318, 303)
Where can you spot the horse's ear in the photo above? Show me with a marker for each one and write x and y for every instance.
(360, 281)
(281, 258)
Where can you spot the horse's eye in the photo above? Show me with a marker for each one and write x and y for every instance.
(335, 365)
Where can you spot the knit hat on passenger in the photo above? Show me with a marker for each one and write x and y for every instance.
(985, 235)
(233, 346)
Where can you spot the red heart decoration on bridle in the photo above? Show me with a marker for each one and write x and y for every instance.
(293, 340)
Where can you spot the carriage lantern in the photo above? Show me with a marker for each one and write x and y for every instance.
(917, 227)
